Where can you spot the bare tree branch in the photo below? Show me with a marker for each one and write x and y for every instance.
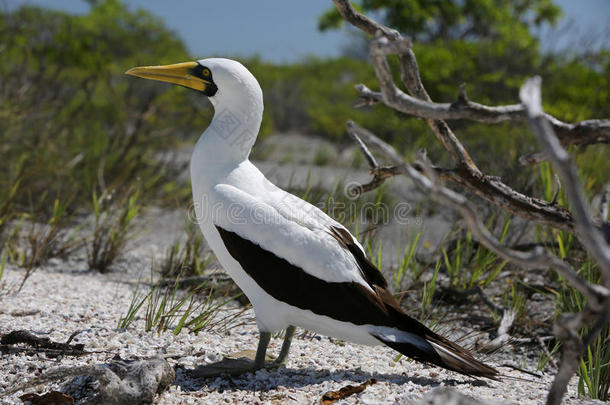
(391, 95)
(382, 173)
(466, 173)
(363, 22)
(599, 312)
(581, 133)
(533, 259)
(588, 234)
(568, 325)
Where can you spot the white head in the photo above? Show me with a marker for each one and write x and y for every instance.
(233, 91)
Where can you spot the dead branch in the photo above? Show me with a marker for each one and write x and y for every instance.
(532, 259)
(35, 345)
(382, 173)
(466, 173)
(541, 211)
(592, 239)
(581, 133)
(568, 325)
(363, 22)
(589, 235)
(596, 313)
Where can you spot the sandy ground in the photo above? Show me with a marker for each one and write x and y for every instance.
(63, 298)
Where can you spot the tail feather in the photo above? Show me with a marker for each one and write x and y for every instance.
(413, 339)
(437, 350)
(463, 361)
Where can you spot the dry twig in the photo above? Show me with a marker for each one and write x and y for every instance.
(334, 396)
(535, 258)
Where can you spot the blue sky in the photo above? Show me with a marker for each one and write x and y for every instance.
(278, 30)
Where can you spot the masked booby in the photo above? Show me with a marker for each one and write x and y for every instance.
(298, 266)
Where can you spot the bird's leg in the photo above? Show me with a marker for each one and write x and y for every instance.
(261, 351)
(281, 359)
(239, 363)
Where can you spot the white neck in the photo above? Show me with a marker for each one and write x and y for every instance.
(234, 128)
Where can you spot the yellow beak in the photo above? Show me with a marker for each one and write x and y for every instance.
(179, 73)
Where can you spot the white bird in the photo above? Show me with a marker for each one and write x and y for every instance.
(298, 266)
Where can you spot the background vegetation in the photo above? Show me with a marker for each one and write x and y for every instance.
(72, 122)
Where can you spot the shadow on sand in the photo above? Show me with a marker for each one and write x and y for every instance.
(271, 379)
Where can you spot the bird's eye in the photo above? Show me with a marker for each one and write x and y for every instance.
(206, 72)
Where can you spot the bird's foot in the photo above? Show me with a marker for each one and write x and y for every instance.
(233, 364)
(279, 362)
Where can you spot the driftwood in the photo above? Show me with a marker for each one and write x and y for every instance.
(117, 383)
(590, 231)
(23, 341)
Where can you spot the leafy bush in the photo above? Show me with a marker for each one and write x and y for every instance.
(72, 121)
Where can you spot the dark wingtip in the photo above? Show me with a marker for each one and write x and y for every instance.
(443, 353)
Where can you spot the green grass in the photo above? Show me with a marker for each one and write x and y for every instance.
(428, 292)
(594, 370)
(186, 258)
(406, 260)
(471, 264)
(112, 228)
(545, 356)
(168, 307)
